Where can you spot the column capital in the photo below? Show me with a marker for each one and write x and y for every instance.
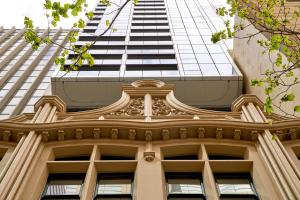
(244, 100)
(53, 101)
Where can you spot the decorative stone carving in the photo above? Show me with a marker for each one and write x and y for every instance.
(114, 133)
(148, 135)
(97, 133)
(219, 133)
(237, 134)
(201, 132)
(183, 133)
(6, 135)
(254, 135)
(293, 133)
(45, 136)
(60, 135)
(78, 133)
(159, 107)
(149, 156)
(131, 134)
(165, 134)
(134, 108)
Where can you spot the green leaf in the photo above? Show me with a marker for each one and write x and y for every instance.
(107, 23)
(81, 23)
(297, 108)
(47, 4)
(288, 97)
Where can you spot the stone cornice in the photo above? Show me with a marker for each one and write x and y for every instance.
(193, 129)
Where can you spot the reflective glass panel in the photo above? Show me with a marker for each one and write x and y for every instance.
(121, 186)
(184, 186)
(234, 186)
(63, 187)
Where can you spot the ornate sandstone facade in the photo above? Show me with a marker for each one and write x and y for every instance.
(159, 133)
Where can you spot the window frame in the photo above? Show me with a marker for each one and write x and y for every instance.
(64, 176)
(175, 175)
(112, 176)
(236, 176)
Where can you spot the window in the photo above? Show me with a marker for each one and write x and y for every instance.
(181, 186)
(114, 187)
(224, 157)
(114, 157)
(182, 157)
(235, 186)
(63, 186)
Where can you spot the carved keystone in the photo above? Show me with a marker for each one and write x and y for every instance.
(165, 134)
(183, 133)
(149, 156)
(114, 133)
(131, 134)
(97, 133)
(148, 135)
(219, 133)
(254, 135)
(60, 135)
(237, 134)
(6, 135)
(78, 133)
(201, 132)
(45, 136)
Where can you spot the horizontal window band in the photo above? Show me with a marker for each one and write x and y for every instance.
(151, 56)
(100, 9)
(100, 56)
(149, 13)
(97, 68)
(104, 47)
(89, 30)
(149, 30)
(150, 47)
(145, 5)
(102, 38)
(149, 18)
(142, 9)
(150, 38)
(97, 14)
(92, 24)
(149, 24)
(97, 18)
(151, 67)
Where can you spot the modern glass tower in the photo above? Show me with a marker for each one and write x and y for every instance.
(167, 40)
(24, 73)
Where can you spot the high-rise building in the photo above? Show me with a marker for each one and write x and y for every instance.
(165, 40)
(25, 73)
(151, 143)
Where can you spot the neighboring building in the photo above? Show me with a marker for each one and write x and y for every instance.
(25, 73)
(253, 63)
(147, 146)
(166, 40)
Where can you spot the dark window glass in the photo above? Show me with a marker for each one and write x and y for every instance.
(83, 157)
(185, 157)
(224, 157)
(235, 186)
(63, 186)
(114, 186)
(181, 186)
(107, 157)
